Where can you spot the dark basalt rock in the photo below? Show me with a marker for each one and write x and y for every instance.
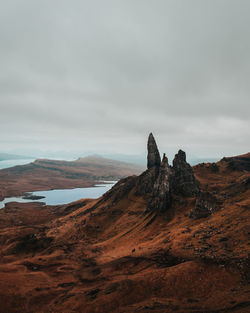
(204, 205)
(145, 182)
(183, 181)
(160, 183)
(154, 158)
(121, 189)
(161, 198)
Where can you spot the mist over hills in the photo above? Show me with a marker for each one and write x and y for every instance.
(139, 159)
(8, 156)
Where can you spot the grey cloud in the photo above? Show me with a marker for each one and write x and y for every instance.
(102, 74)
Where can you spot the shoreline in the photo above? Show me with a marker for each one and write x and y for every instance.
(60, 196)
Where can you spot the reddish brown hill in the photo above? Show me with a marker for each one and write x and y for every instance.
(46, 174)
(108, 255)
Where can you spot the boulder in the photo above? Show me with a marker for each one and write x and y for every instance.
(204, 205)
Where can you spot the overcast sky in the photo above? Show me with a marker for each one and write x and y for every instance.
(99, 75)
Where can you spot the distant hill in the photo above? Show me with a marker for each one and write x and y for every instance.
(46, 174)
(174, 239)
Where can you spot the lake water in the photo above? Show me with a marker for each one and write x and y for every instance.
(62, 196)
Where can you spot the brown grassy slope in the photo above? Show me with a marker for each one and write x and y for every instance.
(100, 256)
(46, 174)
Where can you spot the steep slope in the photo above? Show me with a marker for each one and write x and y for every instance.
(46, 174)
(132, 252)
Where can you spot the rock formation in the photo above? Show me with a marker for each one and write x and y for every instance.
(183, 180)
(164, 181)
(120, 190)
(154, 158)
(146, 180)
(204, 205)
(160, 183)
(161, 198)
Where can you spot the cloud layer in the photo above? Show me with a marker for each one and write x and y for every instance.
(100, 75)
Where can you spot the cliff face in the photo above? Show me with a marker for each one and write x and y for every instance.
(163, 185)
(173, 239)
(162, 182)
(183, 180)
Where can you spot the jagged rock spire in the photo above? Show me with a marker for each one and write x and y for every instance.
(183, 180)
(180, 157)
(154, 158)
(161, 197)
(165, 182)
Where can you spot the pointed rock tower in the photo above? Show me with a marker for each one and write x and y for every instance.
(161, 197)
(154, 158)
(164, 183)
(183, 180)
(147, 179)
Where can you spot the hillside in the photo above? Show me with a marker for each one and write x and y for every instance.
(173, 239)
(44, 174)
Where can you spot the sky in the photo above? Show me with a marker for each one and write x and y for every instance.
(97, 76)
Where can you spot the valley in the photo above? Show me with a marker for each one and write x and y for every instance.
(172, 239)
(43, 174)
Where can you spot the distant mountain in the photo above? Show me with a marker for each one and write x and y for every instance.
(45, 174)
(8, 156)
(135, 159)
(94, 159)
(142, 160)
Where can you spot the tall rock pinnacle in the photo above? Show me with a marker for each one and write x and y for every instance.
(164, 183)
(154, 158)
(161, 197)
(183, 180)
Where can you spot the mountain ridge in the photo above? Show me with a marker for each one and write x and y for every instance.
(114, 254)
(45, 174)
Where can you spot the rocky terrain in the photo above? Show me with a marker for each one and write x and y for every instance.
(173, 239)
(46, 174)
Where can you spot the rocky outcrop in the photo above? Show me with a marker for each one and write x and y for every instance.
(154, 159)
(161, 197)
(183, 181)
(162, 181)
(120, 190)
(204, 205)
(145, 182)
